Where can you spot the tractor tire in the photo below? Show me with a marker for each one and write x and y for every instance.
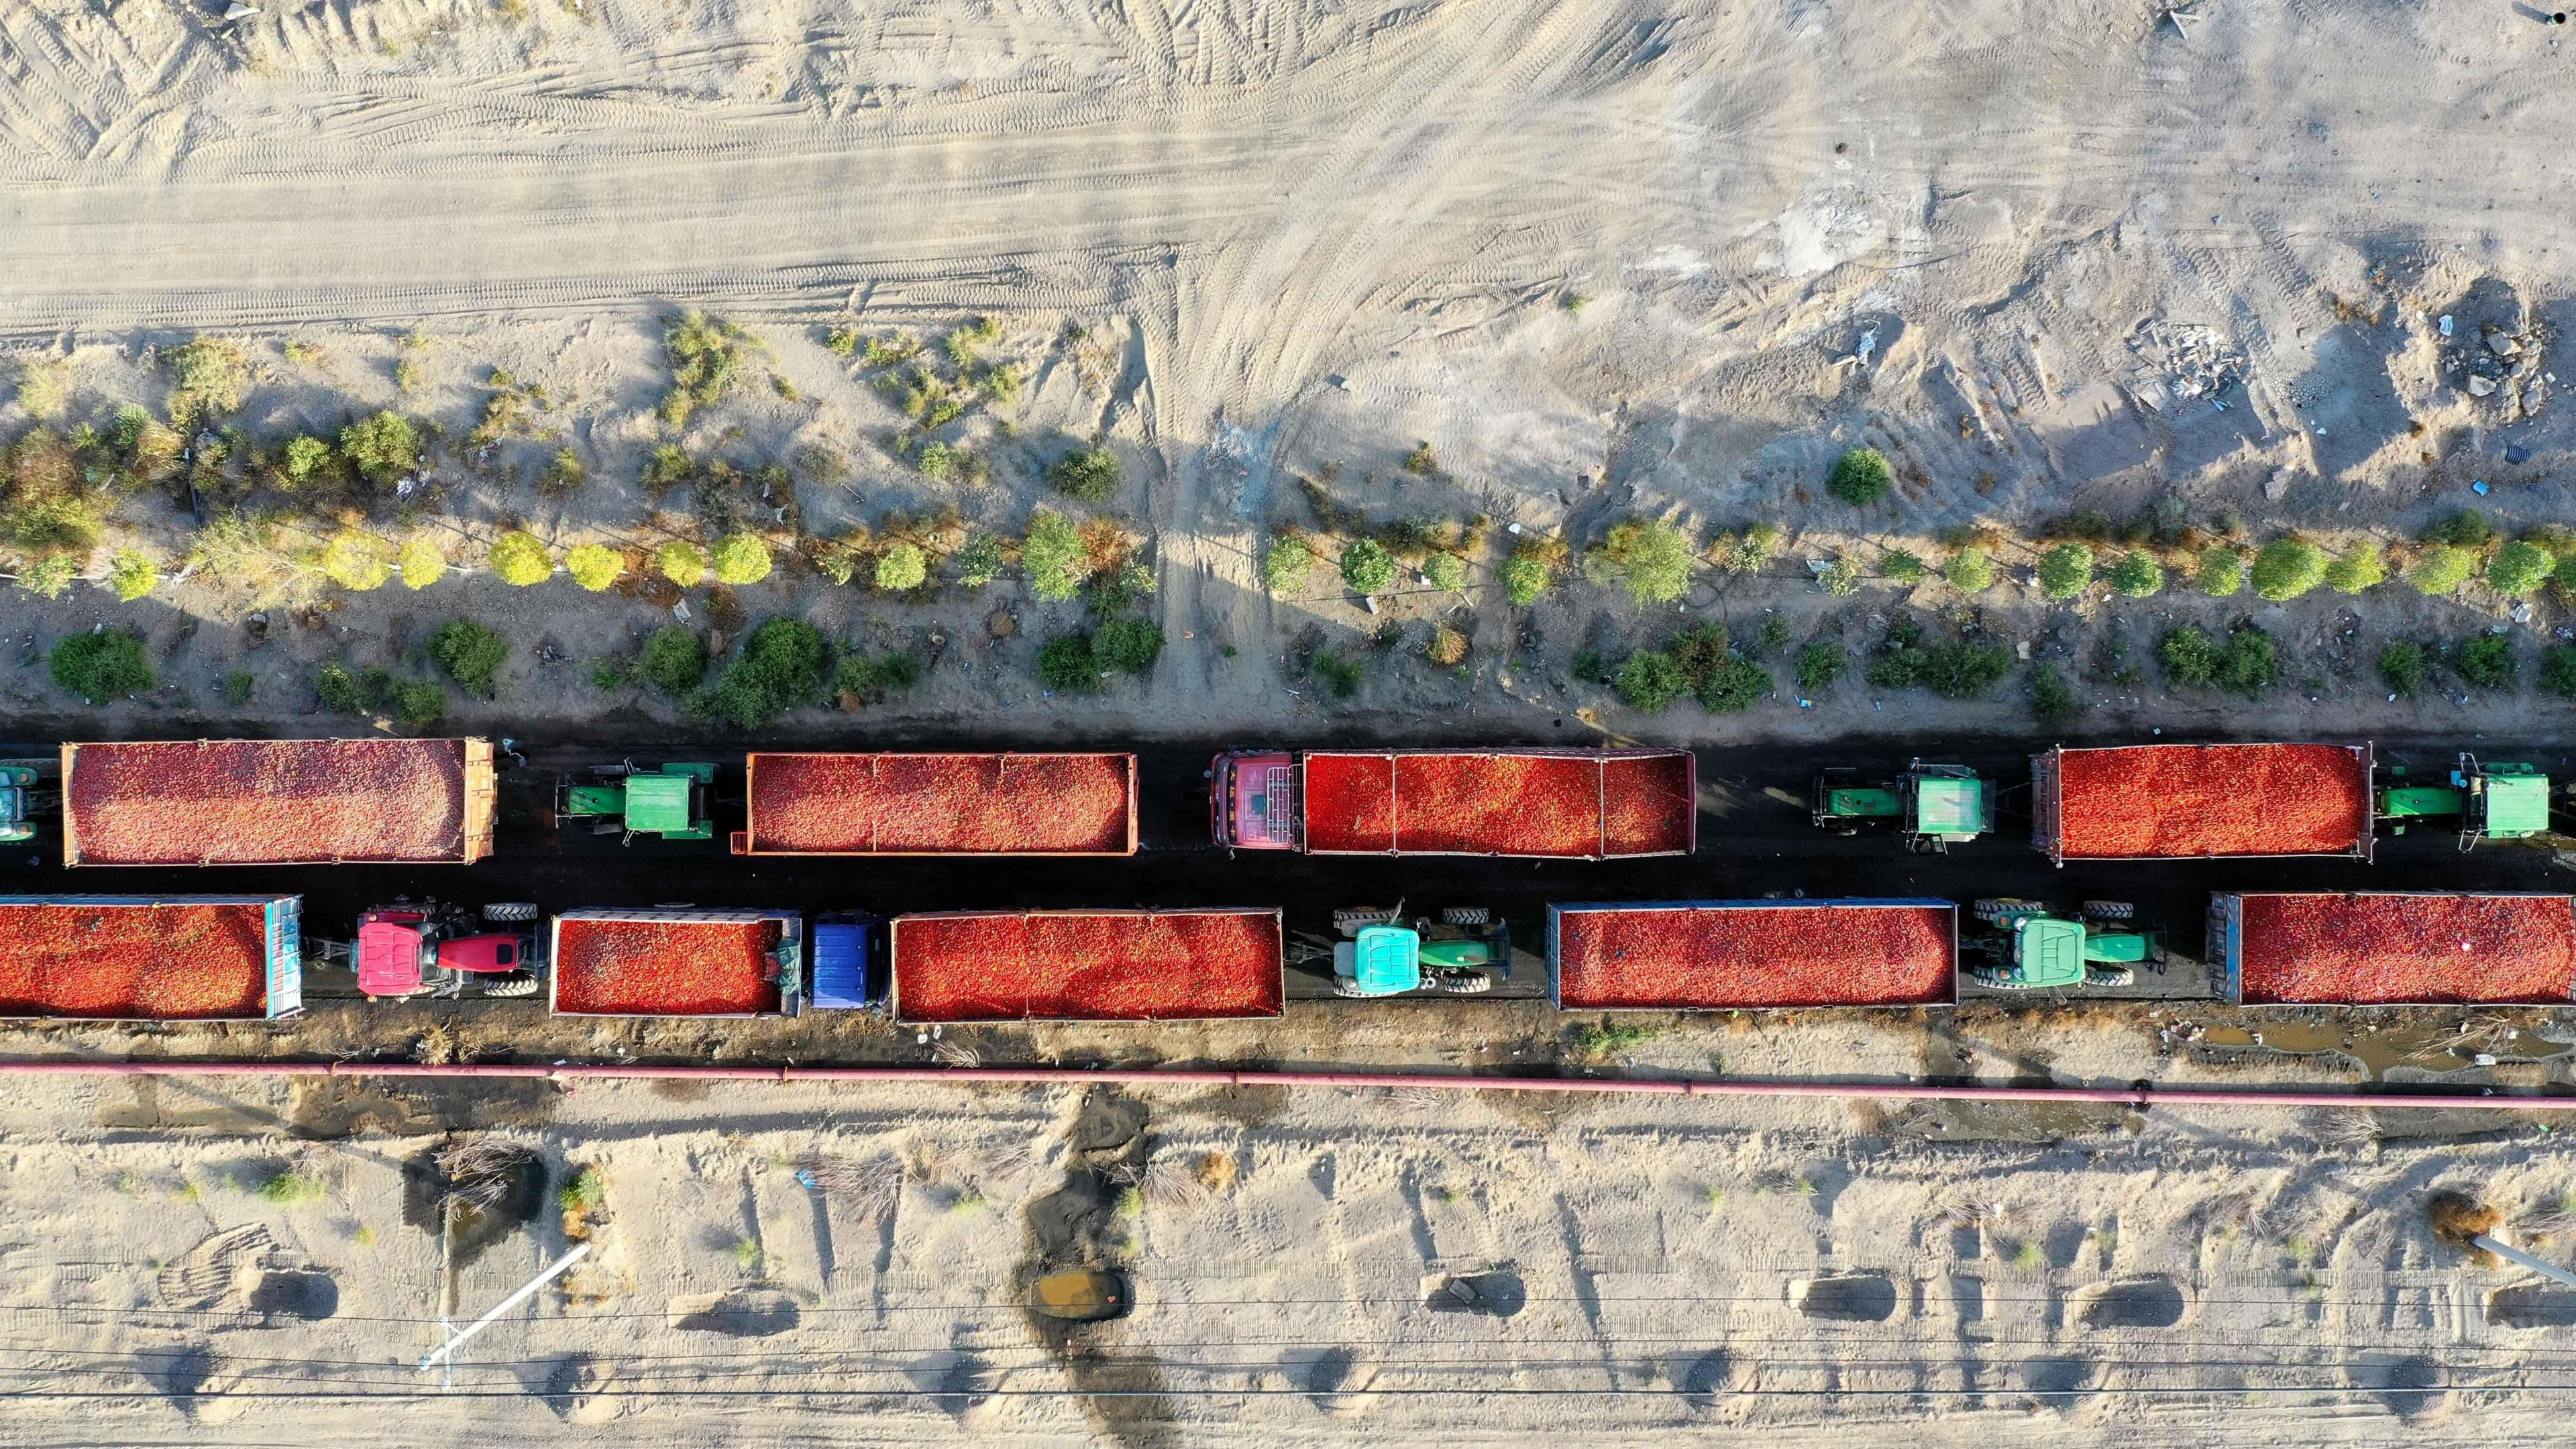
(1463, 982)
(504, 912)
(516, 984)
(1999, 980)
(2109, 910)
(2005, 908)
(1352, 922)
(1345, 987)
(1475, 916)
(2109, 976)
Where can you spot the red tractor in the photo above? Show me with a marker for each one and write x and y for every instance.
(425, 948)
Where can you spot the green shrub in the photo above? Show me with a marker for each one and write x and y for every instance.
(1128, 645)
(53, 525)
(979, 561)
(1964, 669)
(239, 686)
(2220, 574)
(1087, 475)
(1067, 664)
(520, 558)
(1290, 559)
(1820, 664)
(337, 691)
(2519, 568)
(586, 1190)
(594, 566)
(2466, 528)
(418, 702)
(2190, 657)
(1445, 571)
(357, 561)
(901, 567)
(1746, 552)
(292, 1189)
(2363, 568)
(131, 573)
(1053, 556)
(2250, 664)
(304, 458)
(1773, 636)
(2287, 568)
(1735, 685)
(2052, 699)
(46, 578)
(1901, 566)
(382, 448)
(1698, 649)
(472, 655)
(739, 559)
(869, 678)
(2066, 570)
(2401, 666)
(1970, 571)
(1651, 680)
(1368, 568)
(2484, 661)
(1649, 557)
(1110, 592)
(674, 661)
(682, 563)
(1842, 580)
(705, 354)
(2442, 569)
(207, 377)
(1861, 477)
(1525, 578)
(2137, 575)
(785, 664)
(2558, 670)
(1341, 675)
(420, 562)
(565, 473)
(101, 666)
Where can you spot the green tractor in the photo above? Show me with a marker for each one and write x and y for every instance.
(20, 799)
(630, 799)
(1933, 807)
(2026, 946)
(2502, 801)
(1381, 953)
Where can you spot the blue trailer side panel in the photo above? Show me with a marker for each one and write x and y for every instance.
(2227, 945)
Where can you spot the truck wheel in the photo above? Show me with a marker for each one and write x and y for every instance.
(2109, 976)
(1466, 916)
(1351, 923)
(501, 912)
(2109, 910)
(516, 984)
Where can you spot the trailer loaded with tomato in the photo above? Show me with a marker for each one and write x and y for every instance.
(2392, 948)
(278, 802)
(1724, 955)
(882, 804)
(2186, 802)
(151, 958)
(1533, 803)
(1201, 964)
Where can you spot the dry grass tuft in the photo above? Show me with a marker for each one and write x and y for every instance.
(868, 1188)
(479, 1172)
(2456, 1217)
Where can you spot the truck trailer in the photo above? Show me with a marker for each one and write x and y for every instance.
(675, 961)
(278, 802)
(1543, 803)
(2393, 948)
(151, 958)
(1200, 964)
(1725, 955)
(1004, 803)
(2188, 802)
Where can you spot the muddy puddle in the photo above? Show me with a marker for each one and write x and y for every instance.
(2445, 1047)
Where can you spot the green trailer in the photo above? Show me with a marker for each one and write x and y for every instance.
(630, 799)
(1931, 806)
(2503, 801)
(2030, 946)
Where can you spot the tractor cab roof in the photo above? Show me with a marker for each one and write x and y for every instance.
(389, 952)
(2517, 805)
(2049, 949)
(1950, 807)
(1387, 959)
(658, 804)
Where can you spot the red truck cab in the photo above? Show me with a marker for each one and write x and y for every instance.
(400, 953)
(1252, 799)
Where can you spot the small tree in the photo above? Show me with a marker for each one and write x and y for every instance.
(2484, 661)
(1129, 645)
(2401, 667)
(1087, 475)
(1651, 681)
(979, 561)
(2052, 699)
(1054, 557)
(1290, 559)
(683, 563)
(1735, 685)
(132, 574)
(2066, 570)
(1528, 573)
(303, 458)
(2220, 574)
(739, 559)
(472, 655)
(902, 567)
(1367, 567)
(102, 666)
(1820, 664)
(1445, 571)
(421, 562)
(594, 566)
(2558, 670)
(382, 448)
(1970, 571)
(2362, 568)
(357, 561)
(1861, 477)
(2190, 657)
(2520, 568)
(1651, 558)
(1067, 664)
(2138, 576)
(520, 558)
(674, 661)
(46, 578)
(2287, 568)
(2442, 569)
(1901, 566)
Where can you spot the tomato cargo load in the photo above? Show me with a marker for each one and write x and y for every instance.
(940, 804)
(151, 958)
(2187, 802)
(2393, 948)
(1204, 964)
(1715, 955)
(278, 802)
(1543, 803)
(673, 962)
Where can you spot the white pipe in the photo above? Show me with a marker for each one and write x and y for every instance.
(2517, 1255)
(526, 1291)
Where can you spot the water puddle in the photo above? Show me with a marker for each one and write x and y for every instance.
(2446, 1047)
